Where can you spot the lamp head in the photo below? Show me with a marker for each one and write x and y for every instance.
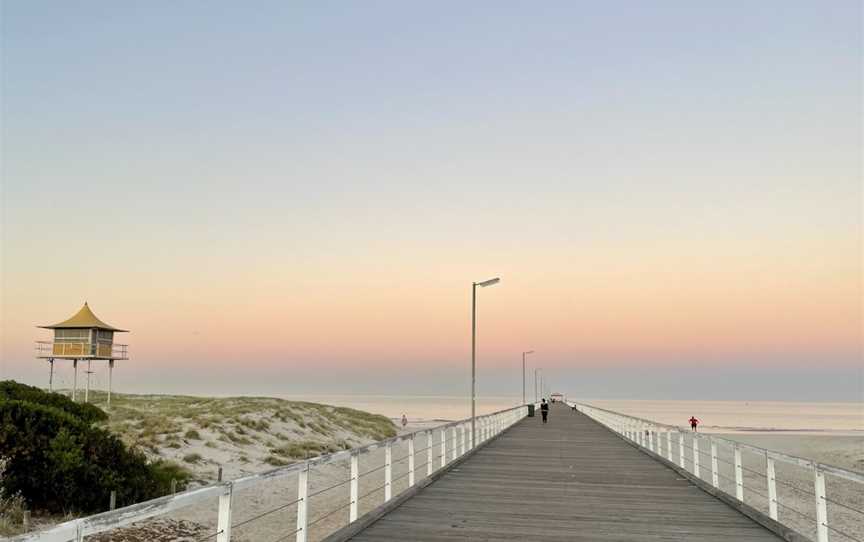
(489, 282)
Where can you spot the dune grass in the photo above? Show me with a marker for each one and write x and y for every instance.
(205, 432)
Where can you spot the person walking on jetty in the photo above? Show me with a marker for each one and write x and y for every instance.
(693, 423)
(404, 421)
(544, 409)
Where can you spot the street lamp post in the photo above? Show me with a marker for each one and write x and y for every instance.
(536, 381)
(523, 373)
(474, 286)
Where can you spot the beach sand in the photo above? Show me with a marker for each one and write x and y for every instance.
(268, 511)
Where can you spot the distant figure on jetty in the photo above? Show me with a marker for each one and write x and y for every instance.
(544, 409)
(404, 421)
(693, 423)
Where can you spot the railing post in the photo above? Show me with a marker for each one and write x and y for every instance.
(223, 521)
(355, 487)
(443, 447)
(650, 438)
(388, 471)
(430, 443)
(454, 444)
(669, 444)
(462, 440)
(411, 460)
(681, 449)
(715, 474)
(303, 503)
(739, 475)
(696, 457)
(821, 505)
(771, 476)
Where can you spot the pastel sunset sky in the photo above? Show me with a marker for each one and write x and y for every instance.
(294, 197)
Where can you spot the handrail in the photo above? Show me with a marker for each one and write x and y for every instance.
(452, 447)
(81, 349)
(786, 458)
(645, 434)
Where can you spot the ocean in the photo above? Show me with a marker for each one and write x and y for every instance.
(835, 418)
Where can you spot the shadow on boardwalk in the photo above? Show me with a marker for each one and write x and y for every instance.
(569, 480)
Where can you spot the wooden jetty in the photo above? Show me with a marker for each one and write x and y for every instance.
(569, 480)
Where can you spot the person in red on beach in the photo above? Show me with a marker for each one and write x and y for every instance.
(693, 423)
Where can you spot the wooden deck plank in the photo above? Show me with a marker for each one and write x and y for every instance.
(570, 480)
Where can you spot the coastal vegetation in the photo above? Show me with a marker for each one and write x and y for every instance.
(58, 460)
(240, 435)
(65, 458)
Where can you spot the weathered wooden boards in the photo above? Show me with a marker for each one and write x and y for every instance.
(569, 480)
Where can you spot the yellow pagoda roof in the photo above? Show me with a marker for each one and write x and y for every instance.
(84, 318)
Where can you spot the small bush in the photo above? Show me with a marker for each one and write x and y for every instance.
(192, 458)
(192, 435)
(256, 425)
(163, 471)
(276, 462)
(11, 508)
(305, 448)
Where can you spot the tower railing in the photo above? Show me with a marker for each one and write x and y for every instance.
(81, 349)
(793, 491)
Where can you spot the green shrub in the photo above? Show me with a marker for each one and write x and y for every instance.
(11, 508)
(192, 458)
(59, 462)
(163, 471)
(276, 462)
(9, 389)
(192, 435)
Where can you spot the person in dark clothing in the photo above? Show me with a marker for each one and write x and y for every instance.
(693, 422)
(544, 409)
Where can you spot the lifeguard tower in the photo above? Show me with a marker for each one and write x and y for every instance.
(82, 337)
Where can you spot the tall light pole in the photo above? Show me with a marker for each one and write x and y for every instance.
(523, 373)
(536, 381)
(474, 286)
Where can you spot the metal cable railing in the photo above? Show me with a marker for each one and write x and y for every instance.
(457, 441)
(263, 514)
(646, 434)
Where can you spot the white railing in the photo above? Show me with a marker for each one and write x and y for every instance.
(82, 349)
(753, 475)
(439, 446)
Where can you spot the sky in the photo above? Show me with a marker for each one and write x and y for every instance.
(295, 197)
